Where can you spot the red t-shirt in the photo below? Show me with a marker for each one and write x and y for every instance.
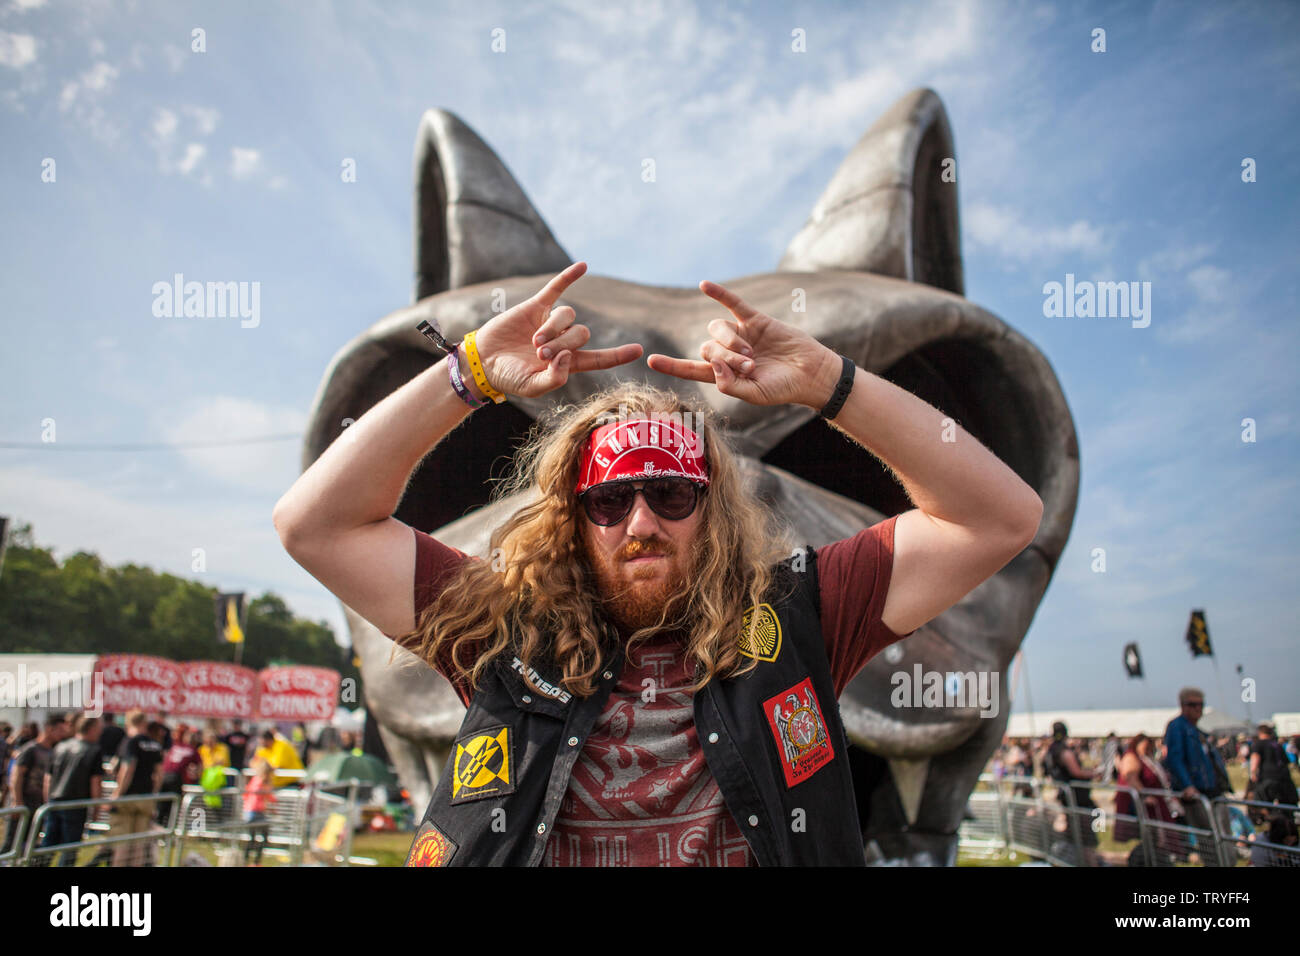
(641, 793)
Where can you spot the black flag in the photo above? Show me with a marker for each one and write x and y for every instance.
(1198, 636)
(1132, 660)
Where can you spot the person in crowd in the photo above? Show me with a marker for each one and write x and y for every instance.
(1282, 832)
(6, 750)
(1195, 767)
(1061, 762)
(213, 752)
(31, 763)
(182, 767)
(280, 754)
(1269, 770)
(1110, 753)
(166, 738)
(237, 740)
(301, 743)
(328, 740)
(1139, 770)
(139, 771)
(26, 733)
(258, 794)
(76, 773)
(110, 736)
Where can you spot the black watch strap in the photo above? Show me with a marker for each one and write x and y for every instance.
(842, 389)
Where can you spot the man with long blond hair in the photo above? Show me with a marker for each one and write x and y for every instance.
(649, 661)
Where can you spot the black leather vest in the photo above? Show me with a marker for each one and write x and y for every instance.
(773, 740)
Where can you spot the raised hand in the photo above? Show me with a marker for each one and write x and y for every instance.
(757, 358)
(532, 349)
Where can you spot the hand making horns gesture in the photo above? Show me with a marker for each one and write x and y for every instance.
(756, 358)
(531, 350)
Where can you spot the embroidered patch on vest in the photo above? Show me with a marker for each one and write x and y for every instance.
(765, 642)
(432, 847)
(483, 766)
(800, 730)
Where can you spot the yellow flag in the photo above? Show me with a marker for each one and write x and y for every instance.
(233, 633)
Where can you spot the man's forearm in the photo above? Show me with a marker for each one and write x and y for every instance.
(361, 476)
(944, 470)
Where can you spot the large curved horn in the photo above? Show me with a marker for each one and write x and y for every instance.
(473, 222)
(889, 208)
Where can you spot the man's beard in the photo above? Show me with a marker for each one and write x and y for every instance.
(640, 602)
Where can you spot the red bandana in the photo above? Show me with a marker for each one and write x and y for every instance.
(642, 447)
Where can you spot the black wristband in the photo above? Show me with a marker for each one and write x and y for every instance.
(842, 389)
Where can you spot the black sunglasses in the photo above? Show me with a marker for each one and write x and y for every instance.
(609, 503)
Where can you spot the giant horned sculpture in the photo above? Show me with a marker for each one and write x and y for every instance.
(880, 260)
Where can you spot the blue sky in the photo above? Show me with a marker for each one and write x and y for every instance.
(225, 164)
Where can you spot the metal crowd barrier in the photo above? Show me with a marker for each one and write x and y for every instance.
(13, 824)
(134, 848)
(1081, 825)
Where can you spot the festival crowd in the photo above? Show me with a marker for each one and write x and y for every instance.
(69, 757)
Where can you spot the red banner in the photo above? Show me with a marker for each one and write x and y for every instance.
(212, 689)
(134, 681)
(297, 693)
(217, 690)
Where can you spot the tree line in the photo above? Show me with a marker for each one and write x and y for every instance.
(84, 606)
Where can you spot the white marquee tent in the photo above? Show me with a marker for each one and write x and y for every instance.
(1125, 723)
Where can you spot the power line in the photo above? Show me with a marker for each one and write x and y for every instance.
(147, 446)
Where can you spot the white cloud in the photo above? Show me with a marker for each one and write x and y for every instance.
(93, 82)
(17, 50)
(174, 56)
(27, 4)
(164, 125)
(205, 118)
(244, 162)
(1002, 229)
(1173, 259)
(193, 154)
(266, 467)
(164, 137)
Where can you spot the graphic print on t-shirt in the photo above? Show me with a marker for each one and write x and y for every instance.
(641, 793)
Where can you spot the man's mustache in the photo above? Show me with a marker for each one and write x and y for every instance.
(636, 549)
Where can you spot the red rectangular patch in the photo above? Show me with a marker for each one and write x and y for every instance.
(800, 730)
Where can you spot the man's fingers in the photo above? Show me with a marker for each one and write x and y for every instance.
(711, 351)
(555, 288)
(681, 368)
(587, 360)
(555, 325)
(733, 302)
(574, 337)
(729, 336)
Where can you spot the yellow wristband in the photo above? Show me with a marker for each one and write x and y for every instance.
(476, 367)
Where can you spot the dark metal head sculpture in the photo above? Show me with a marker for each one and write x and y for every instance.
(879, 262)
